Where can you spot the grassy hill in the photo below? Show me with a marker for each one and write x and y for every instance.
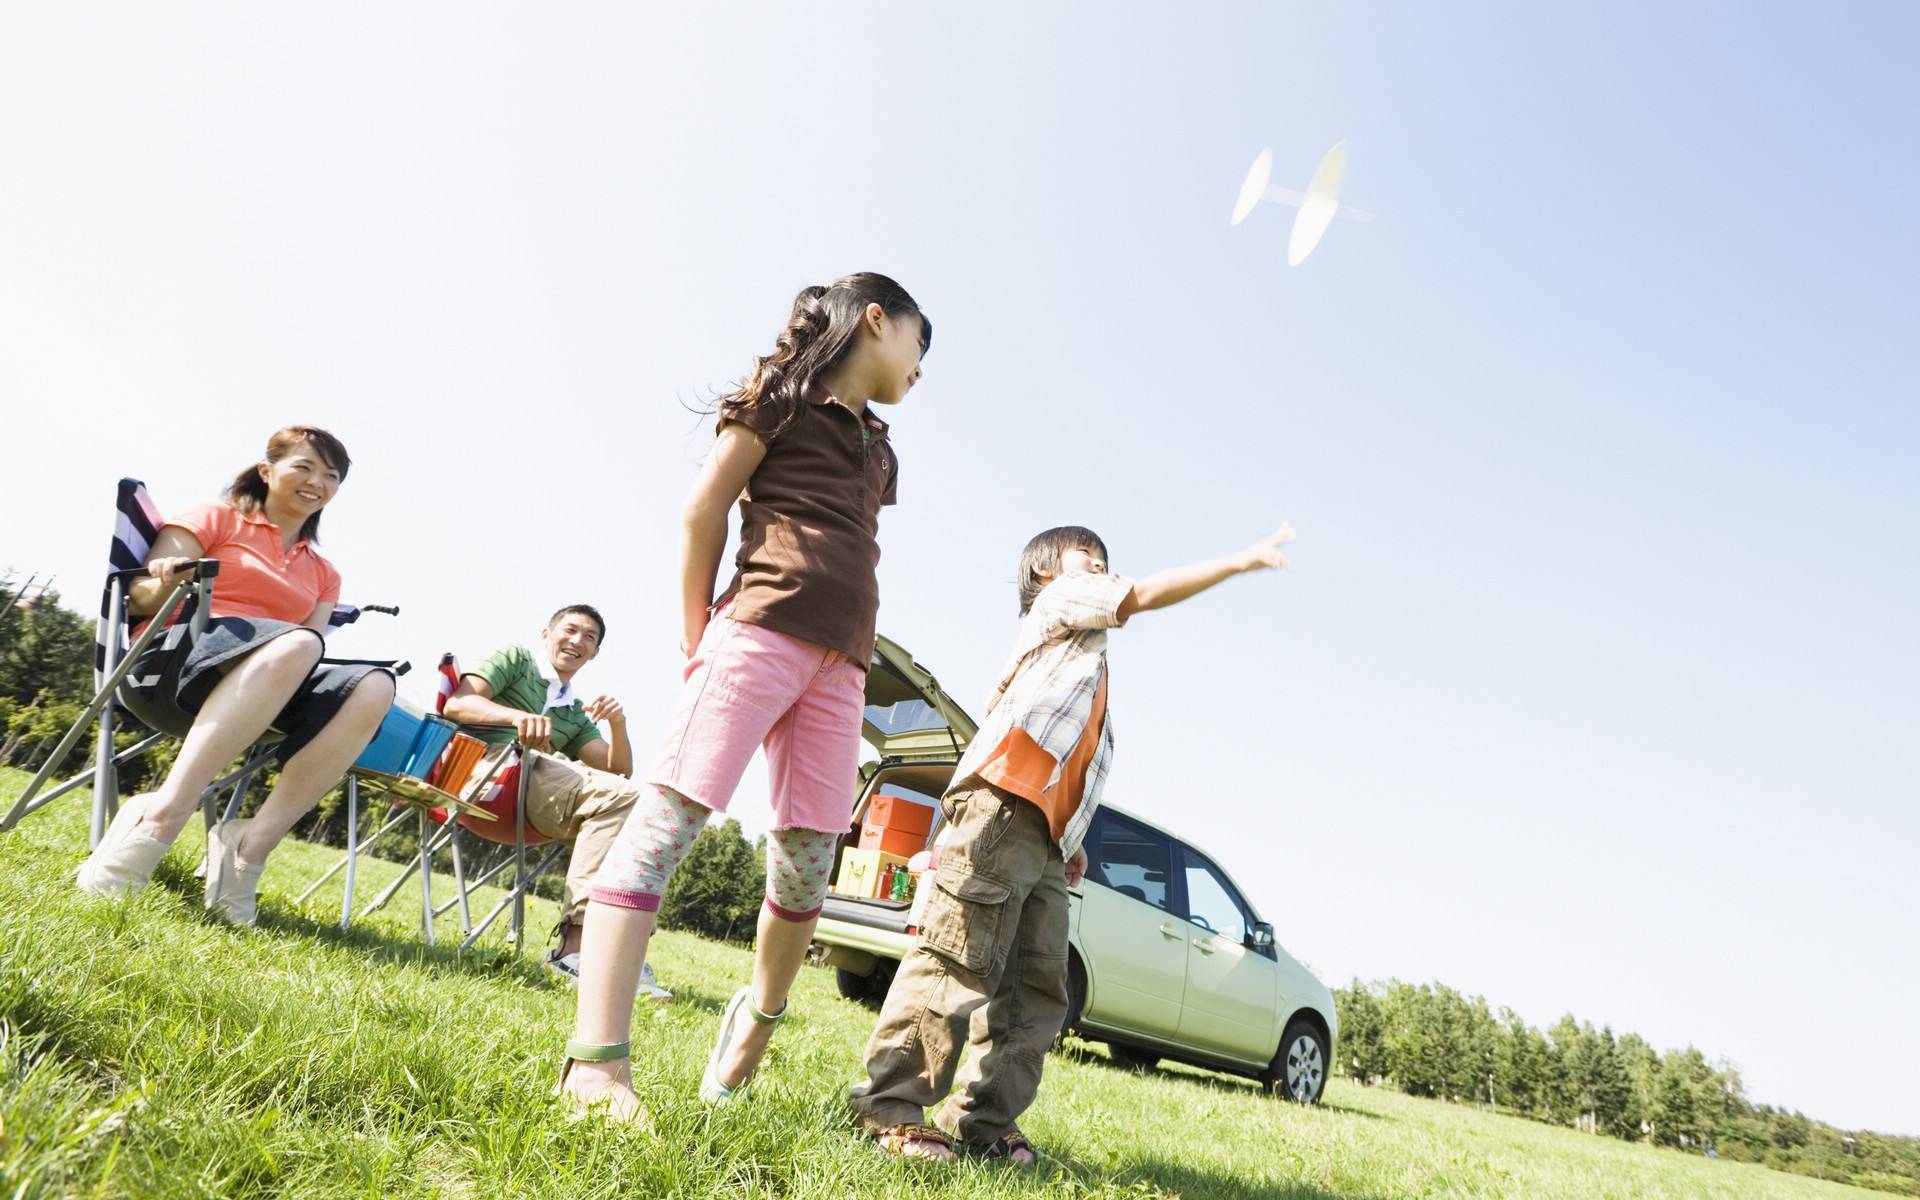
(149, 1052)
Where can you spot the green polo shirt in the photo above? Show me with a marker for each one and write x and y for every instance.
(514, 675)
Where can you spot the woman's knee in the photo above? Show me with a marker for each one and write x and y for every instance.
(297, 650)
(369, 701)
(375, 691)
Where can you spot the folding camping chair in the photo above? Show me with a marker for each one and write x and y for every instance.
(137, 523)
(490, 802)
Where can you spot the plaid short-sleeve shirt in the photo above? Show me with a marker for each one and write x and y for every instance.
(1048, 687)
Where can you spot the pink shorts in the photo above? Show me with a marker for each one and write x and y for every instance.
(748, 687)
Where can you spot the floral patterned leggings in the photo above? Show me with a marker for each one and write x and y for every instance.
(661, 830)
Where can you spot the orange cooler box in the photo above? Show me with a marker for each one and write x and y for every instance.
(860, 871)
(899, 842)
(898, 812)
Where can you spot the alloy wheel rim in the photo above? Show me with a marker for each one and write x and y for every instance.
(1304, 1068)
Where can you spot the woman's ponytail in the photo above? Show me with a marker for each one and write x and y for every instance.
(819, 331)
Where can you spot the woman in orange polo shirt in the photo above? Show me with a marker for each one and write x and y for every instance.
(255, 667)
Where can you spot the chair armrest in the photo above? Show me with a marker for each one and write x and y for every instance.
(398, 666)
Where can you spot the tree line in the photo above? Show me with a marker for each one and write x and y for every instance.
(1430, 1040)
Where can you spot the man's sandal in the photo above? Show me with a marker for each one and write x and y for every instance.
(906, 1141)
(711, 1089)
(595, 1052)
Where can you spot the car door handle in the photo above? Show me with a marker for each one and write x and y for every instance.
(1168, 931)
(1203, 945)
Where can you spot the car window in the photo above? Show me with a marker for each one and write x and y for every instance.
(1210, 900)
(1130, 858)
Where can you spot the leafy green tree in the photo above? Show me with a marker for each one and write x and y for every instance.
(718, 889)
(46, 650)
(1363, 1051)
(1566, 1099)
(1609, 1086)
(1415, 1042)
(1642, 1066)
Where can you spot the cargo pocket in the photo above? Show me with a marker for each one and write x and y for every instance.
(963, 916)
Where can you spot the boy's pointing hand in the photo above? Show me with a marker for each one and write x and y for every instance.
(1269, 552)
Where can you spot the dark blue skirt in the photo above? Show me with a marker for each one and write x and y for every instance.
(177, 673)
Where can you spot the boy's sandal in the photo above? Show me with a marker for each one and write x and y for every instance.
(597, 1052)
(711, 1089)
(1008, 1144)
(901, 1141)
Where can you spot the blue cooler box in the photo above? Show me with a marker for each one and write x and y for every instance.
(435, 732)
(388, 750)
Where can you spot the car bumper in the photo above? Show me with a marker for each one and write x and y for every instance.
(866, 926)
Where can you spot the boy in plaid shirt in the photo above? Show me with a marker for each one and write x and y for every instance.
(994, 929)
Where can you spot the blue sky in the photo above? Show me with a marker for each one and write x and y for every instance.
(1592, 689)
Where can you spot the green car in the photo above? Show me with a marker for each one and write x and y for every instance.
(1168, 960)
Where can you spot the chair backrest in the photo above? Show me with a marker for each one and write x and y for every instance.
(136, 523)
(502, 795)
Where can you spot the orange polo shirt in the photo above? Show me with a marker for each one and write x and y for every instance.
(259, 576)
(1020, 766)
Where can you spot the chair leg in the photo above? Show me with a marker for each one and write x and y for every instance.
(106, 780)
(86, 777)
(460, 880)
(391, 890)
(353, 850)
(508, 901)
(426, 877)
(475, 884)
(517, 928)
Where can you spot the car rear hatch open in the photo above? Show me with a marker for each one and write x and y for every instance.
(919, 732)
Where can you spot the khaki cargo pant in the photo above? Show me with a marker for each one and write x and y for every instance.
(571, 802)
(994, 933)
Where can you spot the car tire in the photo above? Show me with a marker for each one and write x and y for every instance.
(1076, 1000)
(1133, 1058)
(1299, 1067)
(869, 989)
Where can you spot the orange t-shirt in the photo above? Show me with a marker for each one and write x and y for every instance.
(1020, 766)
(259, 576)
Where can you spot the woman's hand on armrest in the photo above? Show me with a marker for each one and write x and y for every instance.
(173, 551)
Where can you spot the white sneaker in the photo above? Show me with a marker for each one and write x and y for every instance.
(650, 989)
(124, 860)
(233, 888)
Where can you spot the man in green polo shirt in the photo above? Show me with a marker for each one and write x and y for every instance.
(578, 788)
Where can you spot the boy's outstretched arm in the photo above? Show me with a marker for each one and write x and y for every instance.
(1175, 584)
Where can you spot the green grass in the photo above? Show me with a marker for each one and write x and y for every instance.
(150, 1052)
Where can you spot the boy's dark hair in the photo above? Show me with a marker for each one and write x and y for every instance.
(820, 329)
(1043, 554)
(585, 610)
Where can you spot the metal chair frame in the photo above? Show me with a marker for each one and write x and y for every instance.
(446, 836)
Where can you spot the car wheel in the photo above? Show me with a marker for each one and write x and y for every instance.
(1299, 1067)
(1076, 999)
(869, 989)
(1133, 1058)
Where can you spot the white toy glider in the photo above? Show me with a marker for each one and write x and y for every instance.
(1318, 205)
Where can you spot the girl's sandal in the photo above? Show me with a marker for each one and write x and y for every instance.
(711, 1089)
(915, 1141)
(614, 1110)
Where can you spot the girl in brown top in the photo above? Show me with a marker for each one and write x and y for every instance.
(778, 661)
